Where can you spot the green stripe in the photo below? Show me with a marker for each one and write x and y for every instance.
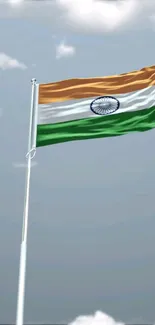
(98, 127)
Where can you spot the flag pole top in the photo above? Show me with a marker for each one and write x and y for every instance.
(33, 80)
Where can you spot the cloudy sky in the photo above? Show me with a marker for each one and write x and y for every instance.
(91, 232)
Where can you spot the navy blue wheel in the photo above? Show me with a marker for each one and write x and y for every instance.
(104, 105)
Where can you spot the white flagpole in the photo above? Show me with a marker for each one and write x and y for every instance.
(22, 266)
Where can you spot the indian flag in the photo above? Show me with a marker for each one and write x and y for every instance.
(87, 108)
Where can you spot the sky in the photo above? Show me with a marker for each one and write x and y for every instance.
(91, 219)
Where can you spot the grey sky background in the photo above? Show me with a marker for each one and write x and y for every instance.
(92, 209)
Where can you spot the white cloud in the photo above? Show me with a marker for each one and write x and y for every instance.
(105, 15)
(15, 2)
(88, 15)
(63, 50)
(24, 165)
(42, 10)
(99, 318)
(6, 62)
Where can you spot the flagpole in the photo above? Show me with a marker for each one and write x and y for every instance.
(23, 252)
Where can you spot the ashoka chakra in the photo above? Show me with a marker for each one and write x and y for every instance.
(104, 105)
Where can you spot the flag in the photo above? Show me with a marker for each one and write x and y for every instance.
(87, 108)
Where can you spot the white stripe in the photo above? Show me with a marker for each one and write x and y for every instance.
(79, 109)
